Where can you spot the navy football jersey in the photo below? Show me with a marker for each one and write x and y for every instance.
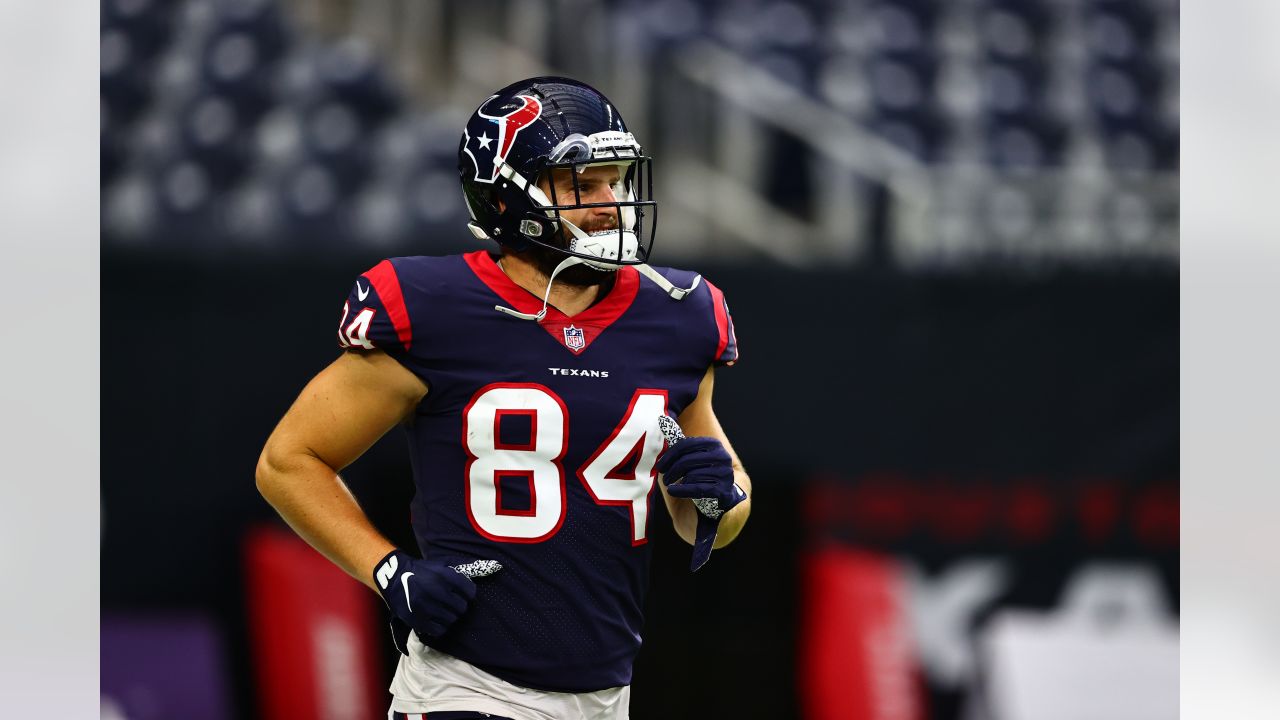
(535, 446)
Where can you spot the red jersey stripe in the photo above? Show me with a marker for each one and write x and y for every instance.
(384, 279)
(722, 317)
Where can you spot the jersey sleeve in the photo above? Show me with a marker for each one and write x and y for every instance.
(726, 352)
(375, 317)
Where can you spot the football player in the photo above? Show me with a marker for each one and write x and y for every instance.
(544, 384)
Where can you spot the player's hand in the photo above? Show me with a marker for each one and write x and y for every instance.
(700, 469)
(426, 596)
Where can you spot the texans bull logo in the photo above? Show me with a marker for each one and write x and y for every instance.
(488, 153)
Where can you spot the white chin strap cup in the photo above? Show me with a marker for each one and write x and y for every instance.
(604, 244)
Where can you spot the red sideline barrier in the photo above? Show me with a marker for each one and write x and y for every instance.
(856, 660)
(313, 628)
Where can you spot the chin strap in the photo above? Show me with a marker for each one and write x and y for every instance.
(565, 264)
(675, 293)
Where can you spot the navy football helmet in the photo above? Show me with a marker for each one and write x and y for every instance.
(529, 129)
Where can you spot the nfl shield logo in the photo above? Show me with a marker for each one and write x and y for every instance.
(573, 338)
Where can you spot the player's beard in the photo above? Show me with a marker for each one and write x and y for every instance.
(546, 259)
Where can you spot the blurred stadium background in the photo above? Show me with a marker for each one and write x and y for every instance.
(948, 231)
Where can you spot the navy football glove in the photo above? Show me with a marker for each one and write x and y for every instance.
(700, 469)
(427, 597)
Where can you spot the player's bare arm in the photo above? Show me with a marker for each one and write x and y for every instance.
(699, 419)
(336, 418)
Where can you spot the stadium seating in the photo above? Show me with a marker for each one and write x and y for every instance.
(221, 120)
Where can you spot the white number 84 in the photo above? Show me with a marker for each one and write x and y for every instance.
(538, 462)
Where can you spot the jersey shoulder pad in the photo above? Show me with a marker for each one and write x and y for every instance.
(710, 311)
(726, 337)
(376, 314)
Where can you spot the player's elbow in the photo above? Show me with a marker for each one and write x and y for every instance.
(270, 473)
(262, 474)
(284, 468)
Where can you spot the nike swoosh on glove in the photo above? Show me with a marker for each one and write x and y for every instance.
(700, 469)
(427, 597)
